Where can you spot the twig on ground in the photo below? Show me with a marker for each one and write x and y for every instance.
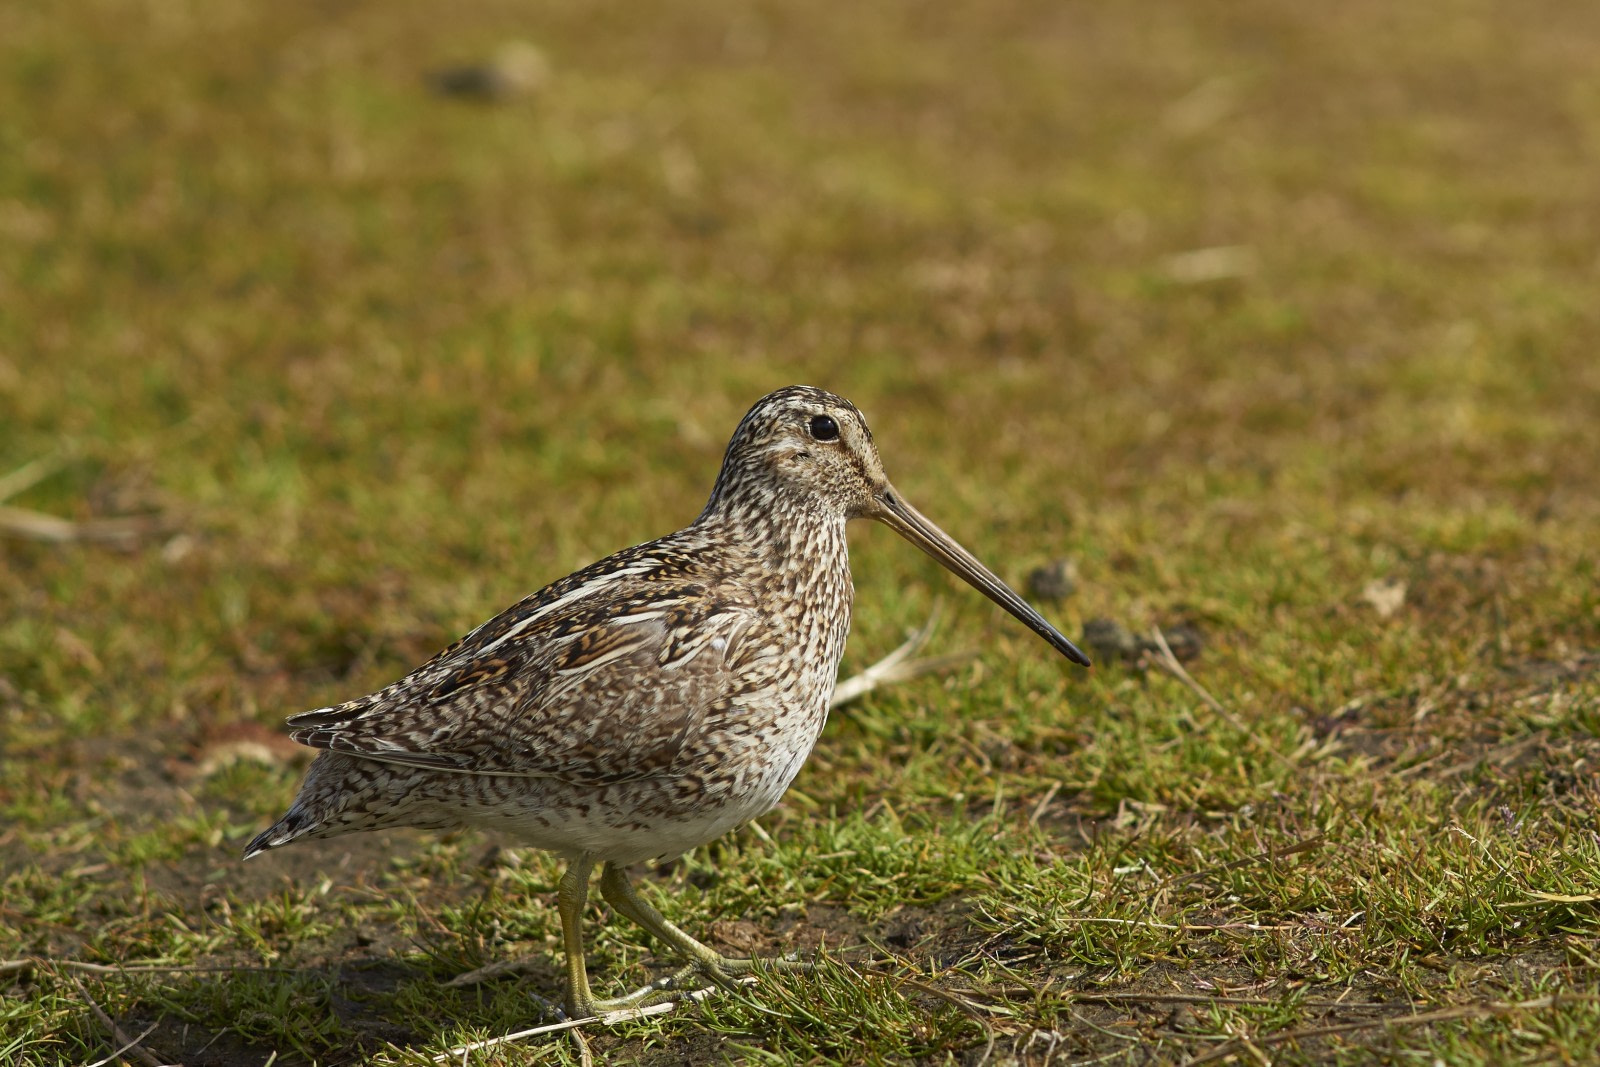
(29, 525)
(1198, 928)
(1462, 1011)
(609, 1019)
(460, 1051)
(29, 963)
(133, 1044)
(129, 1044)
(585, 1057)
(1201, 998)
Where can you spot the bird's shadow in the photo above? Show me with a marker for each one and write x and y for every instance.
(340, 1012)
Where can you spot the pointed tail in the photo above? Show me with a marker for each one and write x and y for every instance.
(281, 832)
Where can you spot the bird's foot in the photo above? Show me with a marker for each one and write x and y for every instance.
(710, 966)
(691, 982)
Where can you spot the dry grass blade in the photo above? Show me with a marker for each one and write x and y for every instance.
(1170, 664)
(1043, 803)
(898, 666)
(28, 475)
(490, 972)
(585, 1057)
(129, 1044)
(1218, 998)
(1267, 856)
(28, 963)
(25, 524)
(609, 1019)
(132, 1045)
(1426, 1018)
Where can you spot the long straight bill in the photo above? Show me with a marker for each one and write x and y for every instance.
(910, 523)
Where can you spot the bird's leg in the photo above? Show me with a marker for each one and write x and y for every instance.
(717, 968)
(571, 896)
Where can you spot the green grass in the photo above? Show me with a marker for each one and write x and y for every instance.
(373, 364)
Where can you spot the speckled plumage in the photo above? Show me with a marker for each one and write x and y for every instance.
(650, 702)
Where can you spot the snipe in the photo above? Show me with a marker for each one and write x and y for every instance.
(652, 701)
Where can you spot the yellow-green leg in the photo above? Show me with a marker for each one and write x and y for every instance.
(571, 897)
(719, 969)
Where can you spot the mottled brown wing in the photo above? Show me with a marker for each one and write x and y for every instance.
(590, 686)
(625, 700)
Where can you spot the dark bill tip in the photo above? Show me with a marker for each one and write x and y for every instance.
(911, 524)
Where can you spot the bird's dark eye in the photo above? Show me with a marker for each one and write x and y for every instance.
(823, 428)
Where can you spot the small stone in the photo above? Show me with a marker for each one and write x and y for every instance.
(517, 68)
(1183, 1020)
(1185, 641)
(1107, 639)
(1056, 580)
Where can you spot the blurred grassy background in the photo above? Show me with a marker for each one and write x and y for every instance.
(1241, 306)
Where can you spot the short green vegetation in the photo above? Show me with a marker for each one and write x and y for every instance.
(1280, 322)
